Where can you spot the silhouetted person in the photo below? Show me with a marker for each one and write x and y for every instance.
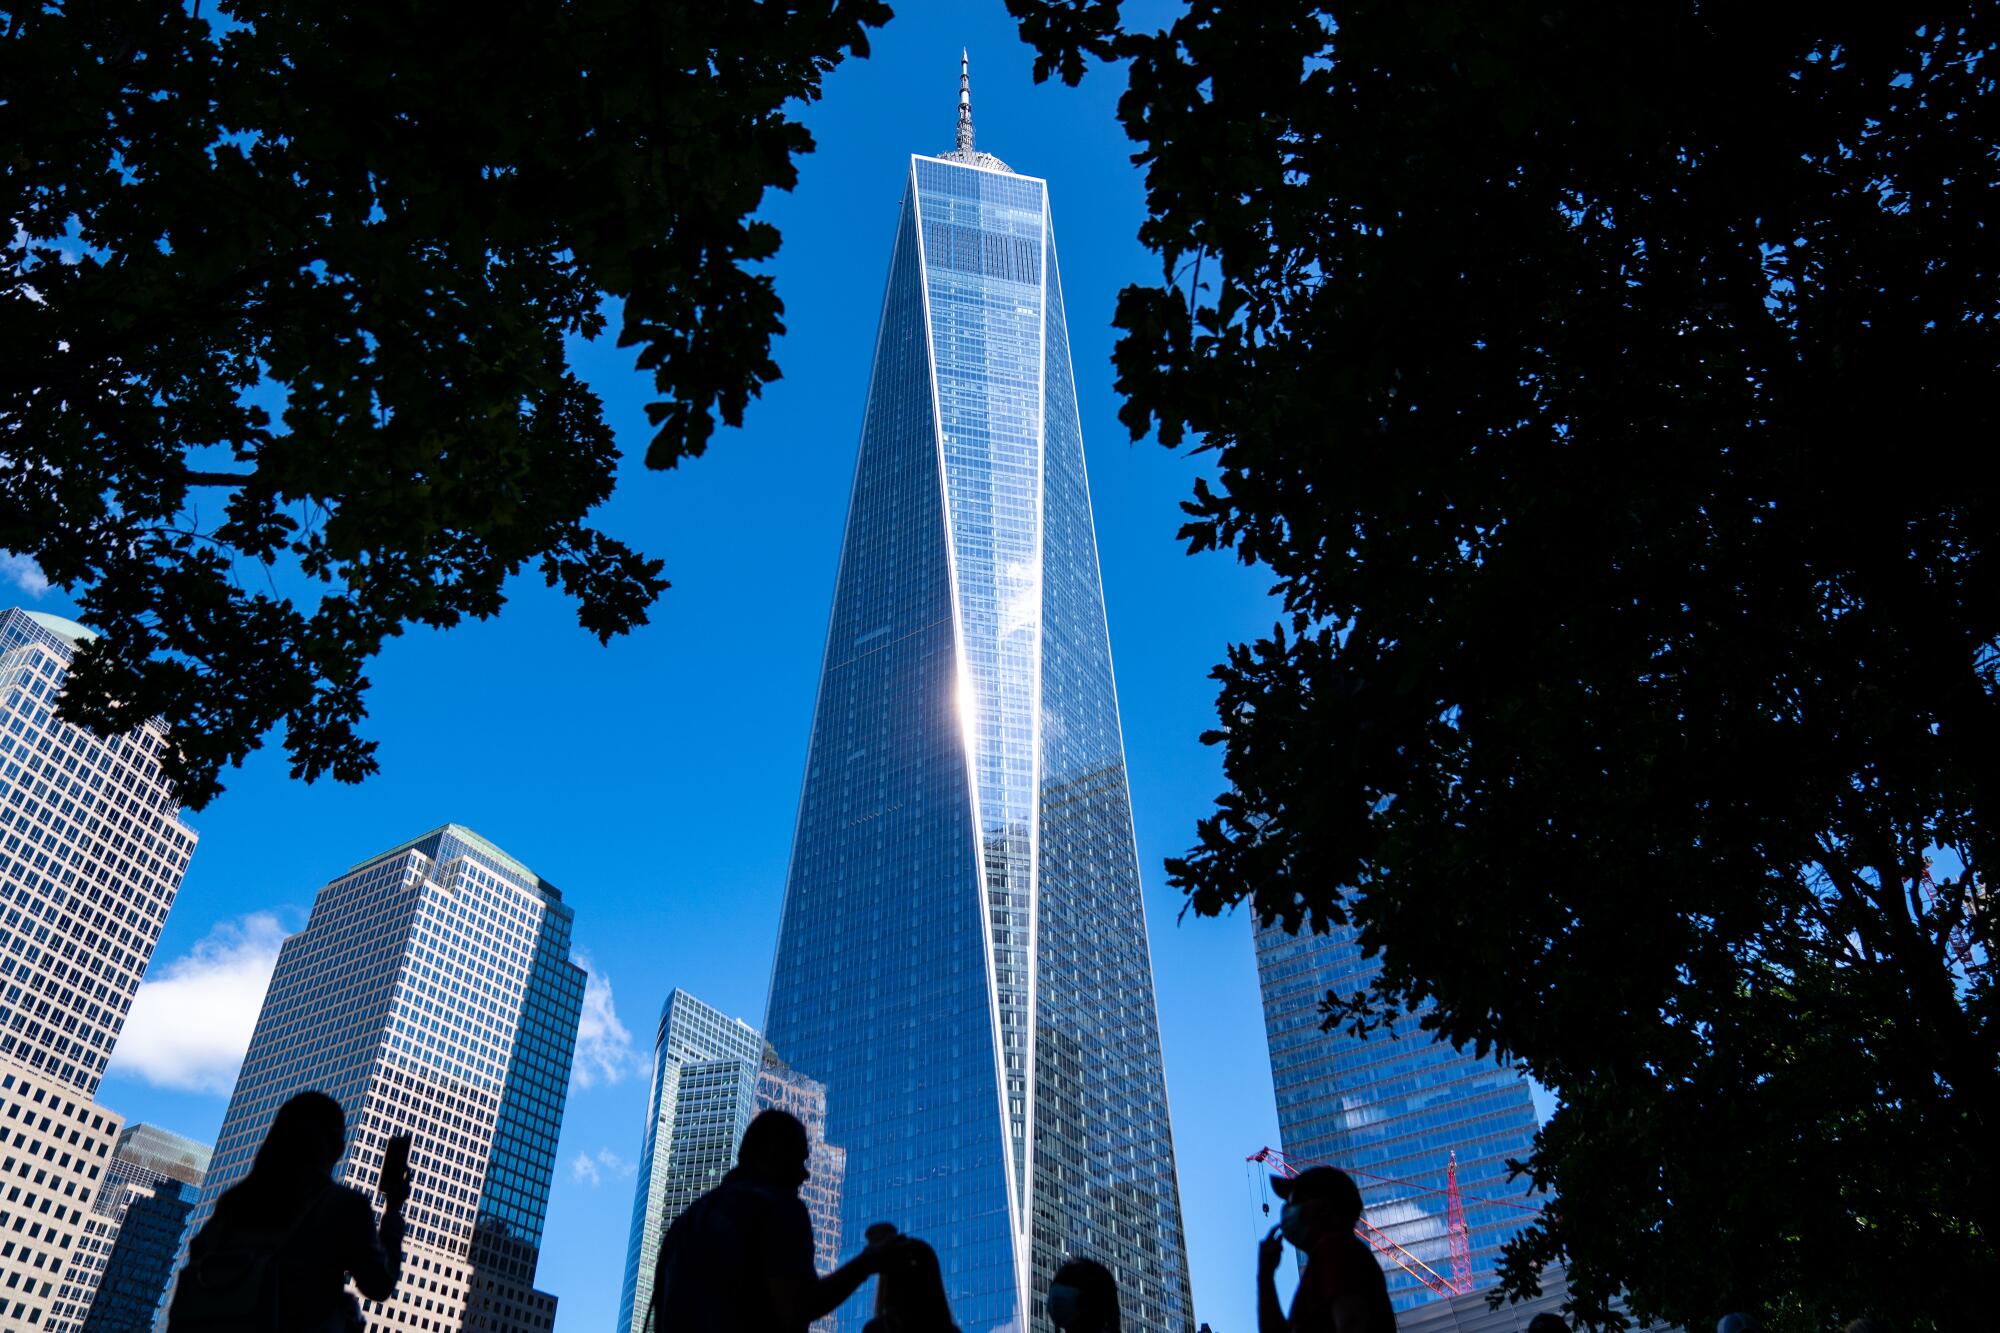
(1341, 1289)
(1737, 1323)
(283, 1241)
(1083, 1298)
(909, 1286)
(741, 1257)
(1547, 1323)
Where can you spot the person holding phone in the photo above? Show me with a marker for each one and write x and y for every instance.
(284, 1240)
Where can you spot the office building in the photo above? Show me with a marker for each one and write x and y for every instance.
(145, 1155)
(1392, 1109)
(780, 1087)
(159, 1172)
(962, 960)
(702, 1096)
(92, 850)
(711, 1074)
(57, 1145)
(432, 993)
(1469, 1312)
(135, 1274)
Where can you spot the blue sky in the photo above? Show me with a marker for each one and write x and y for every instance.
(655, 781)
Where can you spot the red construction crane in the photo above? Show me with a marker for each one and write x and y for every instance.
(1460, 1280)
(1454, 1229)
(1960, 938)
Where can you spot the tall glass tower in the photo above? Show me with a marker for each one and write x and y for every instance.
(1393, 1109)
(963, 958)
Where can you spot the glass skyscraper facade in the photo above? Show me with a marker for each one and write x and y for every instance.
(141, 1259)
(162, 1170)
(1393, 1110)
(702, 1118)
(432, 993)
(711, 1074)
(963, 959)
(782, 1088)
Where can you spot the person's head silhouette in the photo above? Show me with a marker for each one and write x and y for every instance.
(306, 1138)
(294, 1163)
(1547, 1323)
(774, 1150)
(1083, 1298)
(909, 1290)
(1319, 1202)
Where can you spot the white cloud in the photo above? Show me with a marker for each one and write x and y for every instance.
(23, 573)
(592, 1168)
(604, 1051)
(1021, 597)
(190, 1026)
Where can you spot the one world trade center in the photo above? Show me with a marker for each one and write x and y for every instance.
(963, 958)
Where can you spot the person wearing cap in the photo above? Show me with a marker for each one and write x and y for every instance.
(1341, 1289)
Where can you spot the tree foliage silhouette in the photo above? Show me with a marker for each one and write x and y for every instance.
(282, 366)
(1607, 387)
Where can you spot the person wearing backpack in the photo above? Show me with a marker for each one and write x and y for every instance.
(276, 1255)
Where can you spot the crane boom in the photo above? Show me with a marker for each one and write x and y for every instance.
(1460, 1280)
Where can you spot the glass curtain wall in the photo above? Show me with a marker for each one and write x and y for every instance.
(1393, 1109)
(963, 958)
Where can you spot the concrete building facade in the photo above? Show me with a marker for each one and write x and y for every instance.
(93, 846)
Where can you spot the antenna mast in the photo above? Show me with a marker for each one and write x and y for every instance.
(964, 101)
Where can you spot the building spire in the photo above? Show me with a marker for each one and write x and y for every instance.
(964, 101)
(965, 152)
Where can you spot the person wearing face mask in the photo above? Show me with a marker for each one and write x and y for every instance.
(1341, 1289)
(1083, 1298)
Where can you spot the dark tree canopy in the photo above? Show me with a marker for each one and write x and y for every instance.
(1608, 388)
(283, 314)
